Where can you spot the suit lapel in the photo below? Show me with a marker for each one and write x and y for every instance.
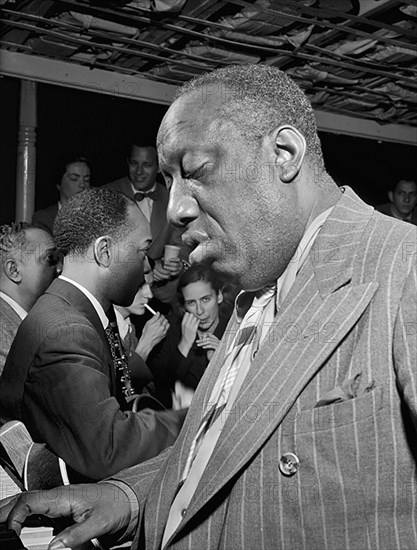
(73, 296)
(323, 305)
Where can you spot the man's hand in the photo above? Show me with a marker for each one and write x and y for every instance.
(97, 508)
(189, 326)
(153, 332)
(163, 271)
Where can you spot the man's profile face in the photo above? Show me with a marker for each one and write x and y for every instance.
(37, 260)
(129, 257)
(76, 178)
(143, 167)
(224, 189)
(404, 197)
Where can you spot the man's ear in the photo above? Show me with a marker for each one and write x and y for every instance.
(103, 250)
(391, 196)
(12, 271)
(219, 297)
(289, 149)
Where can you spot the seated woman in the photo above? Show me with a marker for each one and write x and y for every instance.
(191, 341)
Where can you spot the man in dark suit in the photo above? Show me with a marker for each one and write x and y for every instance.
(60, 378)
(402, 202)
(302, 431)
(28, 265)
(152, 198)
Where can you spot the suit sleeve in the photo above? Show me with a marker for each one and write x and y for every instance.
(405, 345)
(73, 411)
(139, 479)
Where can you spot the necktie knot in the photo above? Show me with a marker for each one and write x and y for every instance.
(140, 195)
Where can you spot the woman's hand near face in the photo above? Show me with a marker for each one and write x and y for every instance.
(189, 326)
(209, 343)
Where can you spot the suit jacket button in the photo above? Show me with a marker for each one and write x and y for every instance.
(183, 512)
(288, 464)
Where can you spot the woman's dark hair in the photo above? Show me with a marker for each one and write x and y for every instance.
(63, 163)
(204, 272)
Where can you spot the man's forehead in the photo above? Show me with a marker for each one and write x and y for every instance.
(407, 184)
(186, 130)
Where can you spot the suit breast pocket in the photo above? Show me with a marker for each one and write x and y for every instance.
(337, 415)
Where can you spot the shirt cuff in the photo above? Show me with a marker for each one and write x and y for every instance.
(134, 509)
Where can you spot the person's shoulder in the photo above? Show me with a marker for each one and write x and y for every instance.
(384, 208)
(116, 185)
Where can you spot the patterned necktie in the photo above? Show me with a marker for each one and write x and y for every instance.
(140, 195)
(243, 348)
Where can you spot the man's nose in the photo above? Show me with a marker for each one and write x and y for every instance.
(199, 309)
(406, 198)
(182, 208)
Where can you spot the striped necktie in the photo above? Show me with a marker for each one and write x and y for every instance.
(243, 348)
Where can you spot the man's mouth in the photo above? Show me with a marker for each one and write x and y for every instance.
(201, 245)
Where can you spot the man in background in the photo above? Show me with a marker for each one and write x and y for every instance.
(28, 266)
(403, 201)
(152, 198)
(64, 377)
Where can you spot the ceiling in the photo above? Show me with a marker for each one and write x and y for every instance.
(352, 57)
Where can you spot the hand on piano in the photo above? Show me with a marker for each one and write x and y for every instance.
(97, 508)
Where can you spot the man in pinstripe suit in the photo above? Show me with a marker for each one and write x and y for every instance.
(315, 447)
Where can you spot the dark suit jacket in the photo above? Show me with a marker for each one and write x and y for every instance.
(45, 218)
(59, 380)
(352, 310)
(386, 209)
(162, 232)
(9, 323)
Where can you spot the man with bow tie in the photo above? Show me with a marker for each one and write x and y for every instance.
(152, 198)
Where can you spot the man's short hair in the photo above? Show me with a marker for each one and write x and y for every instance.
(140, 145)
(12, 238)
(258, 98)
(88, 216)
(407, 178)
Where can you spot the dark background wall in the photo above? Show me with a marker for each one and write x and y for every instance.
(98, 127)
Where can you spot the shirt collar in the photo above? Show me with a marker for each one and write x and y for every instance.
(13, 304)
(96, 304)
(150, 190)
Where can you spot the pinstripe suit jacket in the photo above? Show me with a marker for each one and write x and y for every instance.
(351, 310)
